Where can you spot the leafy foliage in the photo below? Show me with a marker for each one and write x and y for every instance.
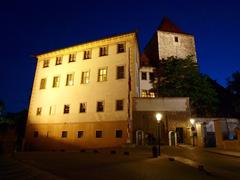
(176, 77)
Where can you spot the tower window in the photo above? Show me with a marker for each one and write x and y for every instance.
(56, 81)
(70, 80)
(85, 77)
(176, 39)
(80, 134)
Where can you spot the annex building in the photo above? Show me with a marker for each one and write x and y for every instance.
(98, 94)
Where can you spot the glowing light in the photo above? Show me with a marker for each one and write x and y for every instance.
(158, 117)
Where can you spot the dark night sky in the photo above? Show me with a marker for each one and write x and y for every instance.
(30, 26)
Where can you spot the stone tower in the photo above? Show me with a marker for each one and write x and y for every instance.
(168, 40)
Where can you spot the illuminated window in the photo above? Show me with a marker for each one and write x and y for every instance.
(39, 111)
(119, 105)
(100, 106)
(119, 133)
(70, 80)
(176, 39)
(144, 93)
(102, 74)
(58, 60)
(83, 107)
(43, 83)
(144, 76)
(151, 76)
(103, 51)
(152, 94)
(98, 134)
(87, 54)
(85, 77)
(35, 134)
(121, 48)
(64, 134)
(120, 72)
(72, 58)
(80, 134)
(66, 109)
(45, 63)
(56, 81)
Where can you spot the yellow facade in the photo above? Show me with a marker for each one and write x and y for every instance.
(81, 74)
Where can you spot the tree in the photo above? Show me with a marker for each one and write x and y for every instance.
(233, 85)
(177, 77)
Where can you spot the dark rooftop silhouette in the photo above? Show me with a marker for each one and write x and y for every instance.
(168, 26)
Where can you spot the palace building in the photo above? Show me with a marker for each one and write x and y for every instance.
(98, 94)
(83, 95)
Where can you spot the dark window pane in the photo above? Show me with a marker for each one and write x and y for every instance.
(119, 133)
(80, 134)
(98, 134)
(64, 134)
(144, 76)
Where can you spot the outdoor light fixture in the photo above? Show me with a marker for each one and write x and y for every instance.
(158, 117)
(192, 121)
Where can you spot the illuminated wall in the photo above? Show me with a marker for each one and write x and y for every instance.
(64, 83)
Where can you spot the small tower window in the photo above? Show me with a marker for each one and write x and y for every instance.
(176, 39)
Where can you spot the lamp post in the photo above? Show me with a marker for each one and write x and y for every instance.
(158, 117)
(192, 121)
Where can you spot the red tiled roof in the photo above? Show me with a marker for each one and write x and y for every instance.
(168, 26)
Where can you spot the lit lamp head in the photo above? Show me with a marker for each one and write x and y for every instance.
(192, 121)
(158, 117)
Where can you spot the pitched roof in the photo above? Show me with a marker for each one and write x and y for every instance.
(168, 26)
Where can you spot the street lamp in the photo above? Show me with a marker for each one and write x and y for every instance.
(192, 121)
(158, 117)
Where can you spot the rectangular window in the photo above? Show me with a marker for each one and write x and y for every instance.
(102, 74)
(121, 48)
(39, 111)
(119, 133)
(100, 106)
(43, 83)
(151, 94)
(45, 63)
(151, 76)
(98, 134)
(52, 110)
(120, 72)
(66, 109)
(58, 60)
(83, 107)
(85, 77)
(103, 51)
(56, 81)
(70, 80)
(35, 134)
(144, 93)
(176, 39)
(72, 58)
(119, 105)
(144, 76)
(80, 134)
(87, 54)
(64, 134)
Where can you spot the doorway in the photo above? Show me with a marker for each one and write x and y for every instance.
(179, 131)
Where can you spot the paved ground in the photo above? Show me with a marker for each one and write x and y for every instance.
(139, 164)
(12, 169)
